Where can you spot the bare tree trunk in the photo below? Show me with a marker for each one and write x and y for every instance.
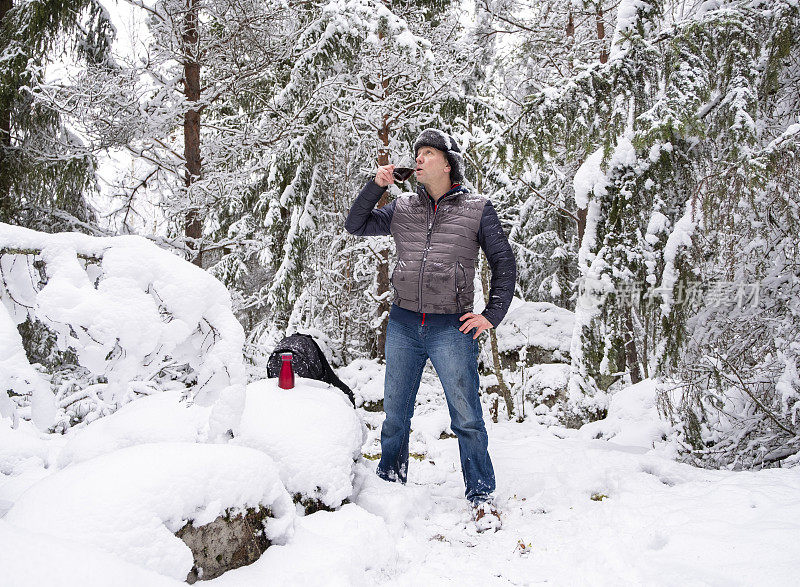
(193, 226)
(383, 265)
(581, 224)
(498, 371)
(344, 323)
(601, 33)
(645, 343)
(5, 139)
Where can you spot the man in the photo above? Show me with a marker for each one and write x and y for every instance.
(437, 232)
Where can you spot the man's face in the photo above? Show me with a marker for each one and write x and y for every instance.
(432, 165)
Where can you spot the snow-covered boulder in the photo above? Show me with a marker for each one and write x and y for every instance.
(311, 431)
(543, 329)
(546, 389)
(32, 559)
(131, 502)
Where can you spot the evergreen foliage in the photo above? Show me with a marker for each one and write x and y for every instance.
(45, 171)
(686, 119)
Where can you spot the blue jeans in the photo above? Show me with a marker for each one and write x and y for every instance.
(454, 355)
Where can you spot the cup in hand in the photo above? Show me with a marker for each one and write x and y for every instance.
(404, 168)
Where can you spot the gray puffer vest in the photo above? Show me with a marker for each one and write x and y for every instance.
(437, 248)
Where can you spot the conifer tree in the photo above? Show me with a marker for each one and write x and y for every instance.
(45, 171)
(682, 121)
(362, 82)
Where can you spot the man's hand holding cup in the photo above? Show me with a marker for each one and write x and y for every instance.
(384, 177)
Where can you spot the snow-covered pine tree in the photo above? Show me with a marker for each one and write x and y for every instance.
(542, 44)
(45, 171)
(739, 364)
(685, 120)
(364, 81)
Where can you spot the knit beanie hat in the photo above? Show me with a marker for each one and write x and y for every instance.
(432, 137)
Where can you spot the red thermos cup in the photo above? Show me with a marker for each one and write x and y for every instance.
(286, 376)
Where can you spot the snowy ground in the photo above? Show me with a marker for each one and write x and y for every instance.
(577, 510)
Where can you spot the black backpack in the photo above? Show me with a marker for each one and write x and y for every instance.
(308, 360)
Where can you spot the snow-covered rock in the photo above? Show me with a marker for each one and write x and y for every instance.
(541, 327)
(131, 502)
(311, 431)
(544, 387)
(32, 559)
(548, 383)
(344, 543)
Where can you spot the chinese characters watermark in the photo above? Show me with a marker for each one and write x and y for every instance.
(692, 293)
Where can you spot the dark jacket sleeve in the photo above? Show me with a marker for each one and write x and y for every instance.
(363, 220)
(494, 243)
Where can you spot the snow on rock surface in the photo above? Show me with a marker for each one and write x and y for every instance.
(539, 324)
(162, 417)
(131, 502)
(311, 431)
(632, 419)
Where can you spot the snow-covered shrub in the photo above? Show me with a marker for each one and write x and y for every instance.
(162, 417)
(134, 318)
(633, 418)
(365, 378)
(736, 415)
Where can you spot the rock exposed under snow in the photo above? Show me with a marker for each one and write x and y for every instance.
(548, 383)
(229, 542)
